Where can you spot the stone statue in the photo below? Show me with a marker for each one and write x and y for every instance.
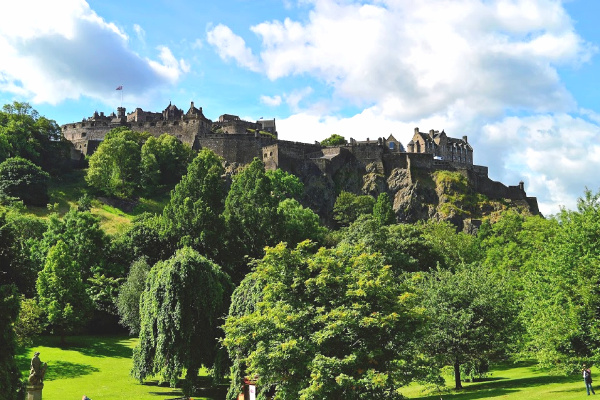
(38, 370)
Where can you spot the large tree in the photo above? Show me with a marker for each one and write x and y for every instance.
(193, 215)
(561, 299)
(115, 166)
(331, 325)
(24, 180)
(181, 309)
(471, 316)
(250, 215)
(24, 133)
(61, 292)
(163, 161)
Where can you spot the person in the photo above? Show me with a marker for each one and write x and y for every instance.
(587, 378)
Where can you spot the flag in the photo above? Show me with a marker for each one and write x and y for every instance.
(119, 87)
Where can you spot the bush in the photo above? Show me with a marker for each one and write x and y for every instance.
(23, 179)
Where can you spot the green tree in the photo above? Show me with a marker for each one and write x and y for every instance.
(330, 325)
(10, 377)
(180, 310)
(250, 215)
(403, 246)
(81, 233)
(128, 301)
(297, 224)
(334, 140)
(193, 215)
(164, 160)
(61, 292)
(561, 300)
(23, 179)
(24, 133)
(348, 207)
(30, 323)
(285, 185)
(383, 211)
(115, 166)
(472, 316)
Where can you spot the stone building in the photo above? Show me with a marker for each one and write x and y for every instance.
(441, 146)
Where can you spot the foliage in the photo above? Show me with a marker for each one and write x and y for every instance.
(114, 167)
(80, 232)
(61, 291)
(250, 215)
(285, 185)
(23, 179)
(298, 224)
(334, 140)
(17, 232)
(403, 246)
(383, 211)
(10, 378)
(128, 300)
(456, 248)
(348, 207)
(163, 162)
(561, 298)
(471, 316)
(193, 215)
(335, 324)
(180, 309)
(24, 133)
(30, 323)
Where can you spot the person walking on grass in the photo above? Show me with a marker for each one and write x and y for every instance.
(587, 378)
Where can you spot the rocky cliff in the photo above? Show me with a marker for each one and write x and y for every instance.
(461, 196)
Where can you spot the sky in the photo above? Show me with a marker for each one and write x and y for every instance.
(519, 78)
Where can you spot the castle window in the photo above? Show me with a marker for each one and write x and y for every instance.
(392, 146)
(175, 123)
(152, 124)
(83, 134)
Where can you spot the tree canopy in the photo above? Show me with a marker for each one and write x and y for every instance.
(180, 309)
(334, 324)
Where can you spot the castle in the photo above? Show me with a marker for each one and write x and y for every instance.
(239, 141)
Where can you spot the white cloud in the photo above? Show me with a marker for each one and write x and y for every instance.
(554, 154)
(232, 46)
(54, 51)
(273, 101)
(140, 32)
(414, 62)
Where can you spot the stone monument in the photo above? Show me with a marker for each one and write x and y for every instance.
(36, 378)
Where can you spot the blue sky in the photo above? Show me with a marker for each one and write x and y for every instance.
(518, 77)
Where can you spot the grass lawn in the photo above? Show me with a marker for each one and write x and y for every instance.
(99, 368)
(521, 381)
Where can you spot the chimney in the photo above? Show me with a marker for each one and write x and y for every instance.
(465, 139)
(416, 130)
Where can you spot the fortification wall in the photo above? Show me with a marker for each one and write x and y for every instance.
(87, 130)
(239, 148)
(419, 160)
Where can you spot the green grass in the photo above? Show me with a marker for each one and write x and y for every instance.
(99, 368)
(521, 381)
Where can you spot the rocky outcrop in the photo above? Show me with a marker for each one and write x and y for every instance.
(458, 196)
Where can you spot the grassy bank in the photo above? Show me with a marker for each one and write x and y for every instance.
(99, 368)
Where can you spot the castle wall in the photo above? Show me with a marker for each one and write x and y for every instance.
(235, 148)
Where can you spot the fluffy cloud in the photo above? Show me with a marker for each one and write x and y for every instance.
(232, 46)
(413, 62)
(54, 51)
(460, 65)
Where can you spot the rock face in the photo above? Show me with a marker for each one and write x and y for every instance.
(461, 196)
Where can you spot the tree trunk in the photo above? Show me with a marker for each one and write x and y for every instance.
(457, 382)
